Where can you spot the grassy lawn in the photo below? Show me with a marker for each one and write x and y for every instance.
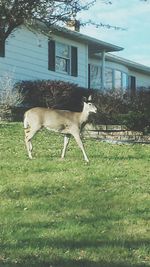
(67, 213)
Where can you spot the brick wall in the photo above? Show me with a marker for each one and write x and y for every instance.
(115, 133)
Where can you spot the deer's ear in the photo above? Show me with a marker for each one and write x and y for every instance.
(84, 99)
(87, 99)
(90, 98)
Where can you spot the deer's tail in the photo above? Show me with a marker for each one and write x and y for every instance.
(25, 122)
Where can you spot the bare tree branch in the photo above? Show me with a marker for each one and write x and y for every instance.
(13, 13)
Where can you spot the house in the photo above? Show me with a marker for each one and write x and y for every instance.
(38, 52)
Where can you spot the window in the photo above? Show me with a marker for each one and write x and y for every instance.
(117, 79)
(108, 78)
(124, 81)
(95, 77)
(62, 58)
(114, 79)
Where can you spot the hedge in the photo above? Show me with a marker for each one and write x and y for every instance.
(114, 107)
(53, 94)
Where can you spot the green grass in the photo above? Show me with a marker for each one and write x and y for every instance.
(67, 213)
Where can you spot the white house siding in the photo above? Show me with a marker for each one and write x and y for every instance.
(142, 80)
(109, 64)
(23, 57)
(116, 66)
(82, 79)
(112, 66)
(26, 58)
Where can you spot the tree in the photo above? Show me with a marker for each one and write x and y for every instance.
(13, 13)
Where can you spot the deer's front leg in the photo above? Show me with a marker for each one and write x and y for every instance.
(80, 144)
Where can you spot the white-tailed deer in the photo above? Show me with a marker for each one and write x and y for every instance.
(63, 121)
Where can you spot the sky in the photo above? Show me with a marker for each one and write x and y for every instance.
(132, 15)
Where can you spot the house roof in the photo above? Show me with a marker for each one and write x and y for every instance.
(128, 63)
(94, 45)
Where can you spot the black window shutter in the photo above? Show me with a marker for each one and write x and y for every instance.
(2, 49)
(51, 55)
(2, 42)
(74, 61)
(133, 86)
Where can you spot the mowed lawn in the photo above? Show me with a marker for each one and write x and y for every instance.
(66, 213)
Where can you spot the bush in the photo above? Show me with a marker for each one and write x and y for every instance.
(117, 108)
(53, 94)
(9, 97)
(114, 107)
(109, 104)
(138, 112)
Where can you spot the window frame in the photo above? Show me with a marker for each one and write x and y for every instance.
(112, 87)
(112, 78)
(122, 81)
(65, 58)
(123, 89)
(72, 63)
(99, 73)
(117, 79)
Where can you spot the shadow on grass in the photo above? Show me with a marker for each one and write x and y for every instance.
(120, 158)
(74, 263)
(40, 243)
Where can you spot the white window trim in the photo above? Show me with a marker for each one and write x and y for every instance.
(113, 78)
(68, 72)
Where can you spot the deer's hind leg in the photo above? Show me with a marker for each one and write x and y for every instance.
(29, 133)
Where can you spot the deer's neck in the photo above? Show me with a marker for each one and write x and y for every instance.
(84, 116)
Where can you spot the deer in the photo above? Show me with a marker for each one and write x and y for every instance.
(63, 121)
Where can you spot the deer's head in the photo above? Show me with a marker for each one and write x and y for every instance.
(89, 106)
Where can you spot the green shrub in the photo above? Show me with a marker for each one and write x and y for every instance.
(133, 120)
(54, 94)
(48, 93)
(117, 108)
(109, 104)
(138, 115)
(114, 107)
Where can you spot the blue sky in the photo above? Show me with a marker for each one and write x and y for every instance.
(134, 15)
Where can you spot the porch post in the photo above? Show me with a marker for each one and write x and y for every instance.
(103, 69)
